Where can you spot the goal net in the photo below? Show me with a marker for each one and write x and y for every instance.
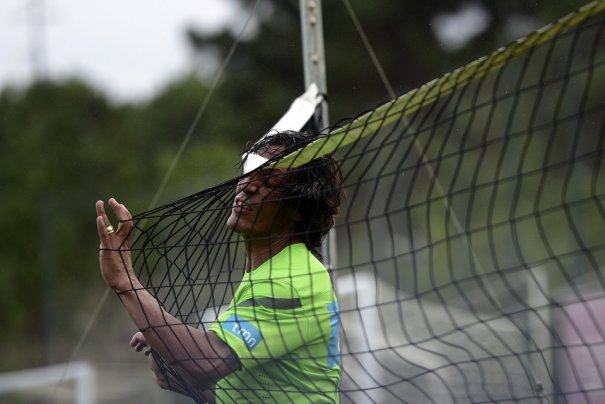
(468, 256)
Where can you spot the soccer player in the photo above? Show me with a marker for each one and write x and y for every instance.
(278, 339)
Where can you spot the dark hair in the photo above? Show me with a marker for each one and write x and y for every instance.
(315, 188)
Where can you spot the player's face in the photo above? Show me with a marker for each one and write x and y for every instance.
(259, 211)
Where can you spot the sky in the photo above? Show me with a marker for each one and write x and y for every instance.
(129, 49)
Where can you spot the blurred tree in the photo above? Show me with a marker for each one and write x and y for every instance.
(266, 73)
(44, 149)
(63, 146)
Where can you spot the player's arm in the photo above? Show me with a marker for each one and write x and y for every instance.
(199, 358)
(164, 376)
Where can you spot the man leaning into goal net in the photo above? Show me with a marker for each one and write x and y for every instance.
(278, 339)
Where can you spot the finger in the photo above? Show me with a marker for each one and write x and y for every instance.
(138, 338)
(118, 209)
(103, 235)
(130, 225)
(128, 215)
(122, 214)
(101, 212)
(137, 345)
(134, 340)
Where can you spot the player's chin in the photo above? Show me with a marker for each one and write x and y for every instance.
(236, 224)
(232, 223)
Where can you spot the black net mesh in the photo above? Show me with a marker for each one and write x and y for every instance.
(467, 258)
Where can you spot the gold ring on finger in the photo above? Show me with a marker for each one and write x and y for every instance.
(109, 229)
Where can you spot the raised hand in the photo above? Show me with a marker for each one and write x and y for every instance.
(114, 254)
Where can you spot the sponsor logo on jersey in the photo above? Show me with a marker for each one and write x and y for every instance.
(243, 330)
(334, 343)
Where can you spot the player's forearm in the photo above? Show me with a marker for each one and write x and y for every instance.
(188, 350)
(173, 340)
(166, 379)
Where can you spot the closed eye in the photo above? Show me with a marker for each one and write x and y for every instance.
(273, 178)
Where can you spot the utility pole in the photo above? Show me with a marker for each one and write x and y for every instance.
(314, 62)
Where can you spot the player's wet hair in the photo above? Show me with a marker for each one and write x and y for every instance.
(315, 188)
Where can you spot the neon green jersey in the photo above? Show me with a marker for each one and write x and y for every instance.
(283, 325)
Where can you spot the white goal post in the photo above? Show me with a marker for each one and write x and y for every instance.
(82, 373)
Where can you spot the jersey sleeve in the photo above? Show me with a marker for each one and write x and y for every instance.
(266, 322)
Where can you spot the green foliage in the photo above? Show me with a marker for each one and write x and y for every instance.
(266, 73)
(63, 146)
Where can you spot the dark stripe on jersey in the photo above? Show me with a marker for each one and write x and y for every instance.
(272, 303)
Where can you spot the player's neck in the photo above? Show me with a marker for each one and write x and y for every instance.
(261, 250)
